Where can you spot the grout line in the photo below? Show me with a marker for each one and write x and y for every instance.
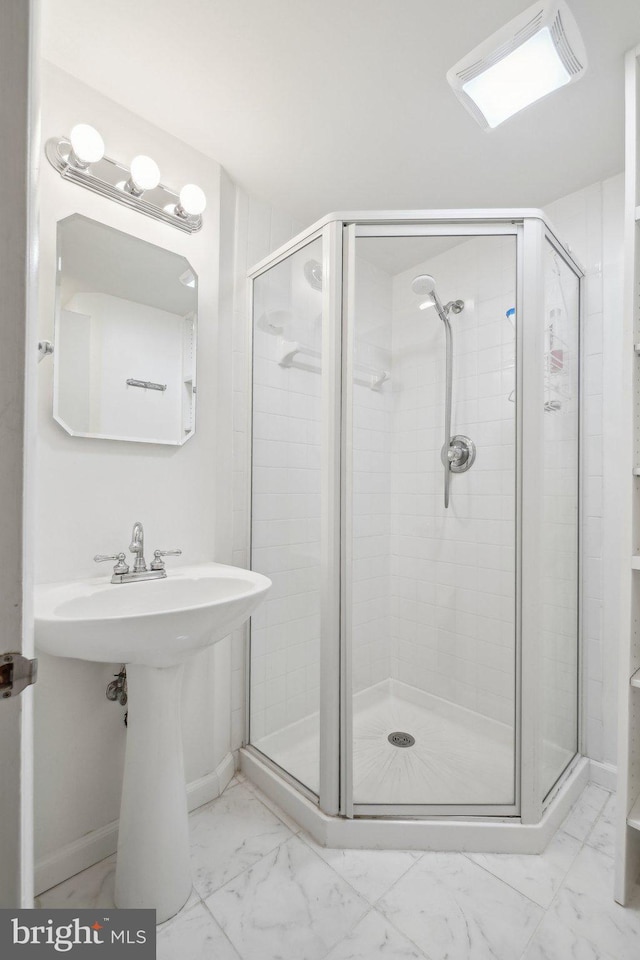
(597, 819)
(403, 934)
(160, 928)
(372, 907)
(502, 880)
(222, 930)
(262, 856)
(583, 844)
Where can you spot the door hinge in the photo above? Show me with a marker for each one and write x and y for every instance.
(16, 673)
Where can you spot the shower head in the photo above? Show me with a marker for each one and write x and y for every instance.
(424, 284)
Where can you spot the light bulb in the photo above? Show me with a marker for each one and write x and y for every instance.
(192, 201)
(87, 144)
(145, 173)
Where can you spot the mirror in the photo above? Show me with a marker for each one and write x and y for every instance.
(125, 336)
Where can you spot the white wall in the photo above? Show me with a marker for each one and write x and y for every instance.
(89, 492)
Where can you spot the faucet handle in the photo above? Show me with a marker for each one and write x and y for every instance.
(158, 563)
(120, 567)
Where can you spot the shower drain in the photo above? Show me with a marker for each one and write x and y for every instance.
(400, 739)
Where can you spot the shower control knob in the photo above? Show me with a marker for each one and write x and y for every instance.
(460, 454)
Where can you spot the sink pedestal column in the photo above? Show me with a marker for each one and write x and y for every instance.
(153, 868)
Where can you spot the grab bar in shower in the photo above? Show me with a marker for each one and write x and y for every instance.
(291, 349)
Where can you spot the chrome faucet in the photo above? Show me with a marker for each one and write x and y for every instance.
(121, 572)
(137, 546)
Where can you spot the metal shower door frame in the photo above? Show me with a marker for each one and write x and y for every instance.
(535, 797)
(339, 233)
(329, 757)
(469, 227)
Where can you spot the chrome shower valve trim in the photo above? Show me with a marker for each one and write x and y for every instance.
(459, 455)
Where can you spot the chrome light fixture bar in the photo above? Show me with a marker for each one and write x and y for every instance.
(534, 54)
(80, 159)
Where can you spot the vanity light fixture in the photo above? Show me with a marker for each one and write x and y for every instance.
(81, 159)
(192, 201)
(537, 52)
(145, 175)
(87, 146)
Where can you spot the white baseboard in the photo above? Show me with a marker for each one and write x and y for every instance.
(103, 842)
(604, 774)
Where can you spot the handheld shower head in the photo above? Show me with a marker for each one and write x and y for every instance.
(424, 284)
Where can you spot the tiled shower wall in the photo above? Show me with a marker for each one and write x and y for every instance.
(371, 446)
(453, 580)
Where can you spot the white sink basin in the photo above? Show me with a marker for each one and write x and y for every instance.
(157, 623)
(153, 626)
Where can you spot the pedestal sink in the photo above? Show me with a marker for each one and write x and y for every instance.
(152, 626)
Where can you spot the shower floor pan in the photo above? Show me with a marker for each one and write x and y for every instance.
(459, 757)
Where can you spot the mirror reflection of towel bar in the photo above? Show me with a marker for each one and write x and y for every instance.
(146, 384)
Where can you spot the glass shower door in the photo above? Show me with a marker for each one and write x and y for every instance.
(430, 589)
(560, 525)
(288, 362)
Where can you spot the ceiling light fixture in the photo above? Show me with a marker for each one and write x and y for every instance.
(81, 160)
(537, 52)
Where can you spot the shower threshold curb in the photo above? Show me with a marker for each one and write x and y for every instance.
(467, 835)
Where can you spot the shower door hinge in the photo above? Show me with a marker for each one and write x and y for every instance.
(16, 673)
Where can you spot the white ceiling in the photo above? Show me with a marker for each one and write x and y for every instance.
(320, 105)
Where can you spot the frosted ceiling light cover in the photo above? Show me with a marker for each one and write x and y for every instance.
(533, 55)
(524, 76)
(86, 143)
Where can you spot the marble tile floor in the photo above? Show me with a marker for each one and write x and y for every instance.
(264, 890)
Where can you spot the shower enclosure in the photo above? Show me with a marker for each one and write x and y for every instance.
(417, 656)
